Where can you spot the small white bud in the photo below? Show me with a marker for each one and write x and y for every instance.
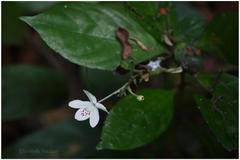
(140, 98)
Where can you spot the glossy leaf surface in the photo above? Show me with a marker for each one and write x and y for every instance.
(85, 33)
(132, 123)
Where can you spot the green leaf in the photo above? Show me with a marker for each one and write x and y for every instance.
(144, 13)
(148, 15)
(85, 33)
(147, 9)
(221, 111)
(184, 23)
(209, 145)
(67, 139)
(185, 10)
(188, 59)
(190, 26)
(29, 90)
(131, 123)
(221, 37)
(196, 140)
(186, 27)
(189, 29)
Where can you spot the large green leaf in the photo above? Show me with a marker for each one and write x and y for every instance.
(28, 90)
(221, 112)
(186, 10)
(67, 139)
(85, 33)
(131, 123)
(221, 37)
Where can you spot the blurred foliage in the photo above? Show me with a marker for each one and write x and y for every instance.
(35, 7)
(61, 140)
(29, 90)
(185, 10)
(191, 23)
(221, 37)
(221, 111)
(12, 27)
(189, 29)
(187, 57)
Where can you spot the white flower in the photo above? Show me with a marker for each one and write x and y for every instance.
(154, 65)
(87, 109)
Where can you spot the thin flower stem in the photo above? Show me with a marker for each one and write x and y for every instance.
(113, 93)
(120, 89)
(130, 91)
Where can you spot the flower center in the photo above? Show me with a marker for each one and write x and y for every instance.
(85, 112)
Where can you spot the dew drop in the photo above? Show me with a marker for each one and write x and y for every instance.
(65, 6)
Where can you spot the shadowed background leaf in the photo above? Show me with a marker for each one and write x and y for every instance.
(221, 111)
(12, 27)
(29, 90)
(66, 139)
(221, 37)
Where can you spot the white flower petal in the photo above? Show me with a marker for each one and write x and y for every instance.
(90, 96)
(82, 114)
(94, 117)
(79, 104)
(102, 107)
